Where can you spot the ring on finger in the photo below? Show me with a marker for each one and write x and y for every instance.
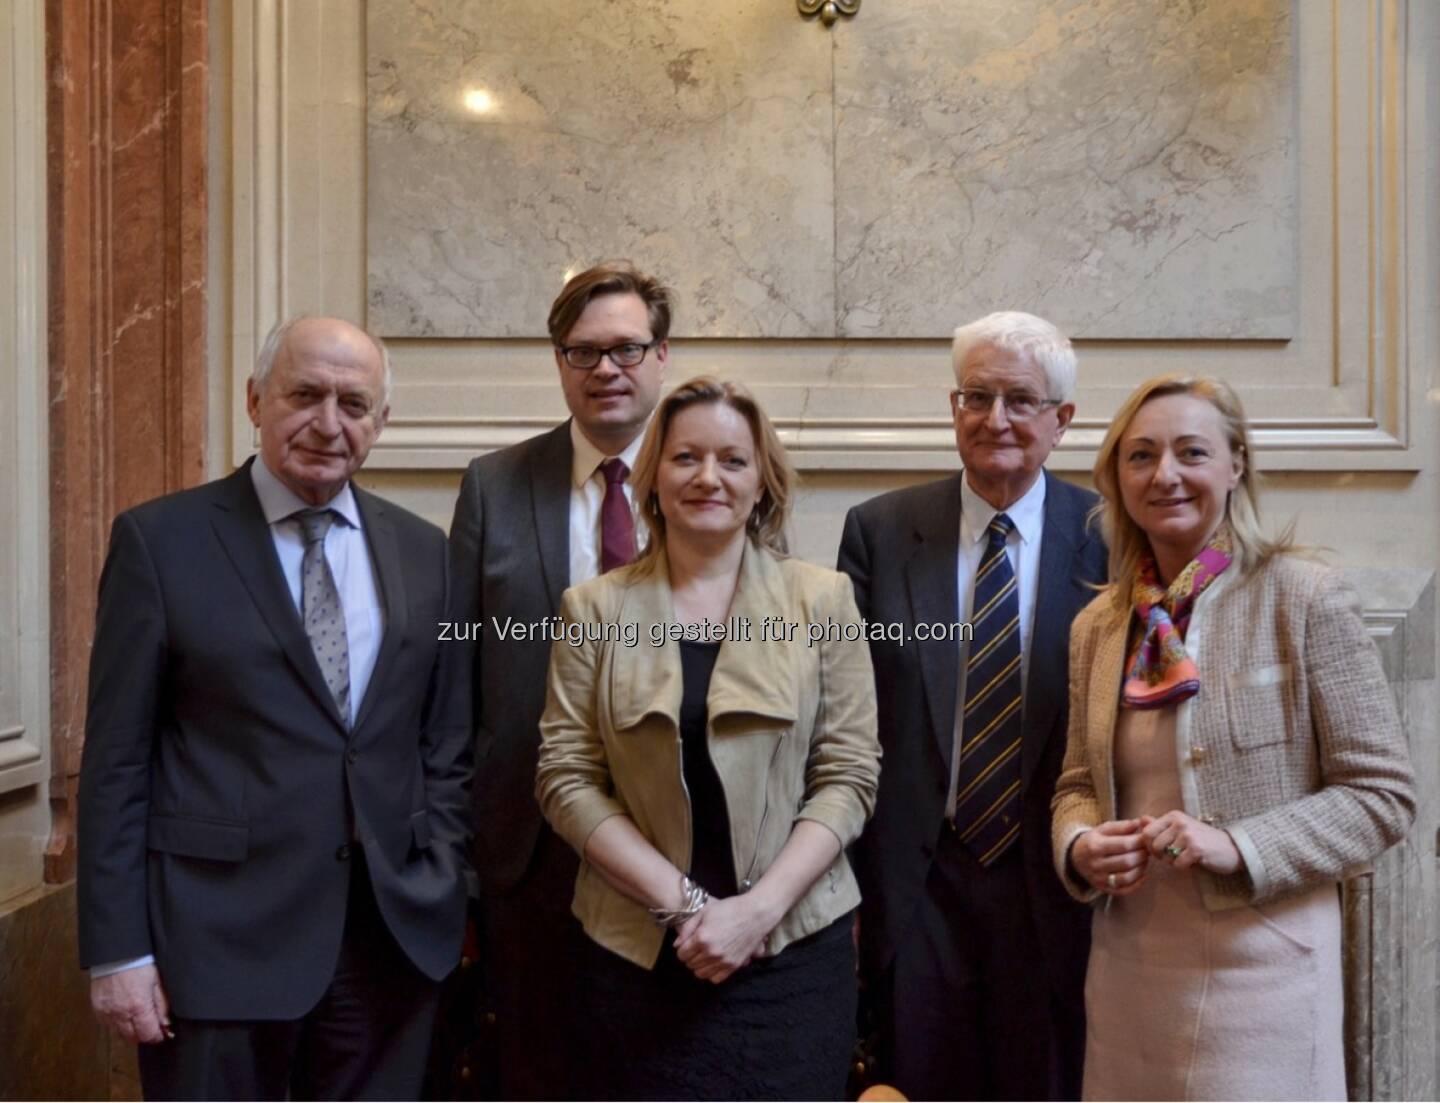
(1172, 851)
(1110, 881)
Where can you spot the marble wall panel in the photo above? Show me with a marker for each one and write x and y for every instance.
(1120, 166)
(510, 141)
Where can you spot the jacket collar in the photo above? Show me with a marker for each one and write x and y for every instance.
(1064, 534)
(550, 500)
(755, 677)
(934, 596)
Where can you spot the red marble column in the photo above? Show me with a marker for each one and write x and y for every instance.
(126, 116)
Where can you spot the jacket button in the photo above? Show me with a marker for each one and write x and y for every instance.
(1197, 754)
(352, 756)
(342, 853)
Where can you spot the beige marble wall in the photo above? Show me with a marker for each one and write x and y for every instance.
(1124, 168)
(696, 134)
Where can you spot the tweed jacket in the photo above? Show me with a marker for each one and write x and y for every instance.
(791, 733)
(1292, 745)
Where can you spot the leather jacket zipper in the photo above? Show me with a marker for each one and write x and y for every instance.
(746, 883)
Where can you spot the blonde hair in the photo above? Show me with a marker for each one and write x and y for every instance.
(766, 524)
(1127, 541)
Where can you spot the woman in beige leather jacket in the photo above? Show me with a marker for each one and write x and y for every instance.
(711, 782)
(1234, 751)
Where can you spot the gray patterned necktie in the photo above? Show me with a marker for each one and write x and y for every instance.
(320, 607)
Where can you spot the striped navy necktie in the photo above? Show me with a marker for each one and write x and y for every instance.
(987, 803)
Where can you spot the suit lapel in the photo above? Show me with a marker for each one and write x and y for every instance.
(385, 556)
(1048, 677)
(245, 536)
(930, 576)
(550, 500)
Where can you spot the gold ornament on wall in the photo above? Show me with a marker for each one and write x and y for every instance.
(827, 10)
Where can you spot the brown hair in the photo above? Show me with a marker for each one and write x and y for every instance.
(766, 525)
(1126, 539)
(617, 278)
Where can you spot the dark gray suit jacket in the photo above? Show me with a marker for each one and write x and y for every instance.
(510, 558)
(217, 770)
(900, 551)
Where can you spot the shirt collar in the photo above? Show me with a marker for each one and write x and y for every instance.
(1028, 513)
(587, 457)
(278, 502)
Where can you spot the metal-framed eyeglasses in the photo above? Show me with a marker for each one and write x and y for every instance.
(587, 357)
(1019, 405)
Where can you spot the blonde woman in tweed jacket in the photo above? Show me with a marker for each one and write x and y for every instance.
(1233, 753)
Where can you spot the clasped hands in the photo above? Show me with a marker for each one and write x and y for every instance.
(724, 935)
(1115, 857)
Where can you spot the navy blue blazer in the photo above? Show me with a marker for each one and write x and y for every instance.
(218, 776)
(900, 552)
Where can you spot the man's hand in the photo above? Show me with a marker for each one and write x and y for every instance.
(132, 1004)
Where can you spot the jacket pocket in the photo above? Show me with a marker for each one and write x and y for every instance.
(420, 828)
(196, 837)
(1259, 705)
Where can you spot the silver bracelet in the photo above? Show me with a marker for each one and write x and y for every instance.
(692, 899)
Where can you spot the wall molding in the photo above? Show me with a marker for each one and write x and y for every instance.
(1338, 397)
(24, 560)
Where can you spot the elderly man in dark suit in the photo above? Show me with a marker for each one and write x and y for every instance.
(273, 816)
(531, 521)
(972, 953)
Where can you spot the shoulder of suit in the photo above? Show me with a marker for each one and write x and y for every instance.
(603, 592)
(170, 507)
(505, 462)
(802, 575)
(911, 501)
(1098, 613)
(1289, 576)
(1077, 495)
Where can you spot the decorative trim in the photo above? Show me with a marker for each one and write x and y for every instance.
(1390, 913)
(1351, 389)
(24, 559)
(828, 10)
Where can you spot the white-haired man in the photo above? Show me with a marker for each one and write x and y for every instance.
(273, 812)
(973, 956)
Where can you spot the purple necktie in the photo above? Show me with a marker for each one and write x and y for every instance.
(617, 523)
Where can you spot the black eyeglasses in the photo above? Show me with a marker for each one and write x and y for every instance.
(587, 357)
(1019, 406)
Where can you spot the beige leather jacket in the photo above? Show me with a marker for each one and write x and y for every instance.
(1292, 745)
(791, 734)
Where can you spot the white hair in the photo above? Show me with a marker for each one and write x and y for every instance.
(1020, 333)
(275, 340)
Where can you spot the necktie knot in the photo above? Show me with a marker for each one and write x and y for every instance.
(615, 471)
(314, 524)
(1000, 528)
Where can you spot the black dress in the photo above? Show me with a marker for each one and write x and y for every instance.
(782, 1027)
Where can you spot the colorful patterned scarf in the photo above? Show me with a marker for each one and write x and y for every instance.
(1160, 671)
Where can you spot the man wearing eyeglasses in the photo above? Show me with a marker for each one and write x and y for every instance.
(973, 955)
(532, 520)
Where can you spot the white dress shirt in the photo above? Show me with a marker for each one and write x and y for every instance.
(1022, 547)
(587, 495)
(349, 559)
